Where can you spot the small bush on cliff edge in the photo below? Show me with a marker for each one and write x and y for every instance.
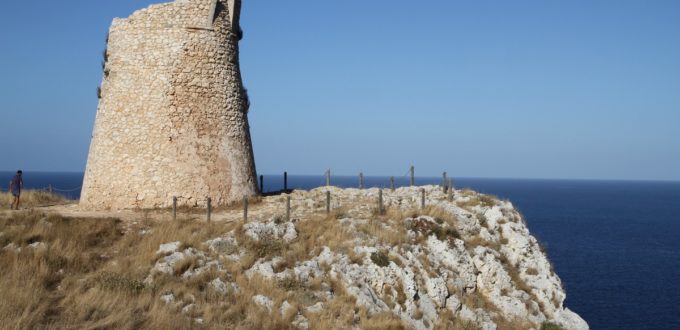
(380, 259)
(550, 326)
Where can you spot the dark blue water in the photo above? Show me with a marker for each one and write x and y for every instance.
(615, 244)
(67, 184)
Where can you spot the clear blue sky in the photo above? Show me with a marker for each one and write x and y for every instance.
(519, 89)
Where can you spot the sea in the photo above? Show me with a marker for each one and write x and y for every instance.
(614, 244)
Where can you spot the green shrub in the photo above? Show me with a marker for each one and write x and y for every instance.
(380, 258)
(482, 220)
(444, 233)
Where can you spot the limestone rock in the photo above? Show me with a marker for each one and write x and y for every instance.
(168, 298)
(188, 308)
(316, 308)
(271, 230)
(453, 304)
(219, 286)
(12, 247)
(38, 246)
(168, 247)
(285, 308)
(570, 320)
(263, 301)
(436, 288)
(301, 322)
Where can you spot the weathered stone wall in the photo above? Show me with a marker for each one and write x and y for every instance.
(172, 118)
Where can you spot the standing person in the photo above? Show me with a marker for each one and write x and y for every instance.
(15, 188)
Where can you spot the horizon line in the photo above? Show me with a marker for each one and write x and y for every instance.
(422, 176)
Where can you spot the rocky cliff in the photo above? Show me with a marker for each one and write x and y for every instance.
(466, 263)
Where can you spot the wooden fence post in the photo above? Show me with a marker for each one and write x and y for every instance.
(328, 202)
(361, 180)
(444, 182)
(381, 210)
(422, 198)
(209, 208)
(174, 207)
(413, 176)
(328, 177)
(288, 208)
(450, 190)
(245, 208)
(392, 183)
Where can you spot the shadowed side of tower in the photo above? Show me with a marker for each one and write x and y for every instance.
(172, 118)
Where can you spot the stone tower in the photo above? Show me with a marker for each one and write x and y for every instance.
(172, 116)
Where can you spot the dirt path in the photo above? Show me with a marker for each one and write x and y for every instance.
(303, 204)
(255, 211)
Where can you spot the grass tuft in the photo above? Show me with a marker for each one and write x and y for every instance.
(32, 198)
(550, 326)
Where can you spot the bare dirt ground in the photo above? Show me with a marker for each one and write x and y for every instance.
(258, 209)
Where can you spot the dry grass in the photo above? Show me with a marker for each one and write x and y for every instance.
(476, 240)
(477, 300)
(513, 324)
(447, 321)
(32, 198)
(444, 227)
(254, 203)
(477, 200)
(384, 321)
(385, 231)
(440, 215)
(90, 275)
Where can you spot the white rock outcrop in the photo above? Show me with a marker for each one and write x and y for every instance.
(473, 257)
